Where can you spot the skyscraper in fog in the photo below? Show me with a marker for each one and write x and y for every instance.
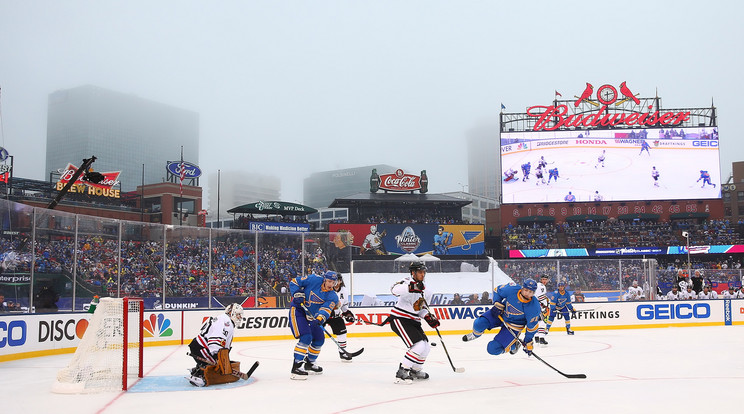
(122, 131)
(484, 166)
(321, 188)
(237, 188)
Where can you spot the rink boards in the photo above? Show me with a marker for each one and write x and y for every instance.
(28, 336)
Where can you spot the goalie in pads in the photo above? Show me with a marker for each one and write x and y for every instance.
(211, 349)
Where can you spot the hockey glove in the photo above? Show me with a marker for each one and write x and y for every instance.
(315, 322)
(299, 299)
(348, 316)
(416, 287)
(496, 310)
(431, 320)
(528, 347)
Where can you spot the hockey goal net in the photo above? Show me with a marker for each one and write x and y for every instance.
(110, 351)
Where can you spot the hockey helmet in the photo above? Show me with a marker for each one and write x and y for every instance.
(418, 265)
(235, 312)
(561, 285)
(530, 284)
(331, 275)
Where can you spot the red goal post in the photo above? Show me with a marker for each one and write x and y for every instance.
(110, 351)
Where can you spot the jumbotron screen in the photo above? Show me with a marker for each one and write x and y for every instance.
(610, 165)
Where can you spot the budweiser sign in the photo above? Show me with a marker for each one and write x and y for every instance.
(550, 118)
(110, 178)
(400, 181)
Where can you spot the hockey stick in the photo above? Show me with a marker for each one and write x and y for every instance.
(235, 373)
(538, 358)
(441, 341)
(340, 349)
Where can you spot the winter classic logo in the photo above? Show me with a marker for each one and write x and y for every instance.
(408, 241)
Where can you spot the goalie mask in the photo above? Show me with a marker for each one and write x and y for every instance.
(235, 312)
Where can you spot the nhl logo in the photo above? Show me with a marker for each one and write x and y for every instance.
(408, 241)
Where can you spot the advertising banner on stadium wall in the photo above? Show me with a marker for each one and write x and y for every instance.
(38, 335)
(399, 239)
(26, 336)
(626, 251)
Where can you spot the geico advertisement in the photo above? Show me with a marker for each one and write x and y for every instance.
(29, 333)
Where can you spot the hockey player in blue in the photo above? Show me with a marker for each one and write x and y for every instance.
(705, 176)
(442, 241)
(316, 295)
(553, 173)
(514, 308)
(561, 302)
(526, 171)
(645, 147)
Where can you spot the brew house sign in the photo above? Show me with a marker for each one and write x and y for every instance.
(550, 118)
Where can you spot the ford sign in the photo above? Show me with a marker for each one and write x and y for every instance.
(190, 170)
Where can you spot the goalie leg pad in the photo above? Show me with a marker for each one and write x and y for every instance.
(212, 375)
(223, 361)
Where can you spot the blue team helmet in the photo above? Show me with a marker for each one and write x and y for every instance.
(331, 275)
(530, 284)
(561, 284)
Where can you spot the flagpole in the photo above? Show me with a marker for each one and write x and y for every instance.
(180, 198)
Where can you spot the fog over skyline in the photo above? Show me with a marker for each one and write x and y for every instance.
(289, 88)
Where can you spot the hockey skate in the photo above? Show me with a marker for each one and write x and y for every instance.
(196, 381)
(345, 357)
(313, 368)
(469, 337)
(298, 373)
(419, 374)
(403, 376)
(569, 331)
(515, 348)
(541, 340)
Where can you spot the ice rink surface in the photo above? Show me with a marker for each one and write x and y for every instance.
(660, 370)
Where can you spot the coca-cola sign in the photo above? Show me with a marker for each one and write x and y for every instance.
(110, 178)
(554, 117)
(400, 181)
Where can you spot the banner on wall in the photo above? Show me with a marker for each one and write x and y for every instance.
(399, 239)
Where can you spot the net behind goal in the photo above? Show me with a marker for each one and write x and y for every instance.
(110, 350)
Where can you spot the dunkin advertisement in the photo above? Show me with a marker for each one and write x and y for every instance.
(399, 239)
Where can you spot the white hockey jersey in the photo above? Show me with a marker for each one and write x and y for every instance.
(688, 294)
(541, 293)
(410, 305)
(216, 333)
(710, 295)
(674, 296)
(635, 293)
(343, 302)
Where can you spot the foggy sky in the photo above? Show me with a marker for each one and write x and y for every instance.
(289, 88)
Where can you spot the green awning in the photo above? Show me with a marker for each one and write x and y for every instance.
(585, 217)
(688, 215)
(273, 207)
(533, 219)
(639, 216)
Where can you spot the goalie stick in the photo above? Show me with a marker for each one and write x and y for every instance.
(441, 341)
(340, 349)
(538, 358)
(235, 373)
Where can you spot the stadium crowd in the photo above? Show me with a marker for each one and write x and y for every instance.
(621, 233)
